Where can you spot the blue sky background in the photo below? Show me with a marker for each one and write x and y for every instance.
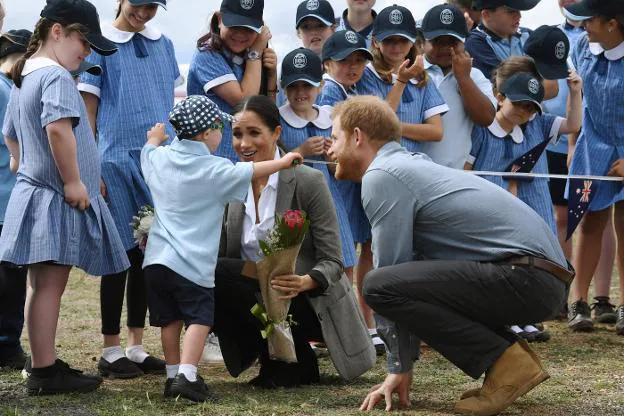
(185, 20)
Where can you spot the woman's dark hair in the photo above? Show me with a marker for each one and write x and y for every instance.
(212, 40)
(263, 106)
(40, 34)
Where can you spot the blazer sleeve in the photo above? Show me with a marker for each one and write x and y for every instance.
(316, 200)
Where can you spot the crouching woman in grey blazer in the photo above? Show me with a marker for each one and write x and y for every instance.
(323, 301)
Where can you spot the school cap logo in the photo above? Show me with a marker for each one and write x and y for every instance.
(300, 61)
(560, 50)
(396, 17)
(312, 5)
(351, 37)
(247, 4)
(534, 86)
(447, 17)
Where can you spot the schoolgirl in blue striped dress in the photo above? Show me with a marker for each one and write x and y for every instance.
(306, 128)
(397, 74)
(599, 58)
(135, 91)
(56, 217)
(231, 61)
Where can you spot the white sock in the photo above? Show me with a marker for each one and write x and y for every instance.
(372, 331)
(189, 371)
(136, 353)
(112, 354)
(516, 329)
(172, 370)
(530, 328)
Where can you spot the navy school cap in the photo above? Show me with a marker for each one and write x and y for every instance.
(444, 20)
(194, 115)
(342, 44)
(395, 21)
(549, 47)
(523, 86)
(513, 4)
(319, 9)
(80, 11)
(243, 13)
(587, 9)
(14, 41)
(301, 65)
(89, 68)
(161, 3)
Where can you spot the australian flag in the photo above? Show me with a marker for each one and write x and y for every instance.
(526, 162)
(580, 194)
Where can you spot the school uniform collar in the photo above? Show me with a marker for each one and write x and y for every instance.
(516, 134)
(236, 59)
(493, 35)
(571, 28)
(327, 77)
(34, 64)
(364, 32)
(191, 147)
(394, 76)
(119, 36)
(323, 121)
(612, 54)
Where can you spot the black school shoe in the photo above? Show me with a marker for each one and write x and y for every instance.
(61, 379)
(195, 391)
(152, 365)
(121, 368)
(167, 392)
(604, 311)
(14, 361)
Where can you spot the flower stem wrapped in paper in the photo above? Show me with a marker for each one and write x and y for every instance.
(141, 224)
(280, 257)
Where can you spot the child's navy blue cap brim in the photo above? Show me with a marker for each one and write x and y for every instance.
(519, 98)
(384, 35)
(344, 54)
(316, 16)
(161, 3)
(288, 81)
(235, 20)
(438, 33)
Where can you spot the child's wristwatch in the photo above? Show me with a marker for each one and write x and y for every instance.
(253, 55)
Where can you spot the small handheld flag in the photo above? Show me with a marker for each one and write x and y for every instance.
(526, 162)
(580, 194)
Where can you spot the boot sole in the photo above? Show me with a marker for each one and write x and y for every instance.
(610, 319)
(47, 392)
(585, 326)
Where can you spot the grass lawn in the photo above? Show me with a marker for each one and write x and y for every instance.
(587, 378)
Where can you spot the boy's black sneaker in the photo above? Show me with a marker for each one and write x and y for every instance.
(619, 325)
(152, 365)
(196, 391)
(579, 317)
(61, 379)
(167, 392)
(121, 368)
(604, 312)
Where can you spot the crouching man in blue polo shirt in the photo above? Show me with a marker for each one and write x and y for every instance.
(456, 260)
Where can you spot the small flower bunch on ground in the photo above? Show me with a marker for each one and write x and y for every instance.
(141, 224)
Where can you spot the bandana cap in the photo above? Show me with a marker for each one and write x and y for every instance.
(196, 114)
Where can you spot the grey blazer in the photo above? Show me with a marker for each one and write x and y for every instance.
(342, 323)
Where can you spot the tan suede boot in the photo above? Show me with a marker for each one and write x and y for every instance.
(514, 374)
(524, 344)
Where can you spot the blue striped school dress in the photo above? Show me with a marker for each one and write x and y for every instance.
(494, 150)
(417, 104)
(208, 70)
(39, 226)
(295, 131)
(136, 91)
(601, 141)
(332, 93)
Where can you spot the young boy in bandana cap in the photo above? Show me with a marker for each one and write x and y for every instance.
(190, 187)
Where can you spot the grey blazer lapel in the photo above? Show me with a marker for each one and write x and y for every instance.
(236, 215)
(285, 191)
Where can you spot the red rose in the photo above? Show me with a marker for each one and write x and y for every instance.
(293, 219)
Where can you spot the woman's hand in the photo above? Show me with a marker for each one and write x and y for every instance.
(156, 135)
(415, 71)
(292, 285)
(76, 195)
(262, 41)
(314, 146)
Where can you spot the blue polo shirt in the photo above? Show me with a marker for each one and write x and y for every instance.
(190, 188)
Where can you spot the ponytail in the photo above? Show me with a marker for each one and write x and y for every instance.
(39, 35)
(212, 39)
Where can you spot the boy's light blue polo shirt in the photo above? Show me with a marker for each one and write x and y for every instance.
(190, 188)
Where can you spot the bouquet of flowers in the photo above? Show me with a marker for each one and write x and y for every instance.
(141, 224)
(280, 257)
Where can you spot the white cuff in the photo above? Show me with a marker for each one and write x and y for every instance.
(434, 111)
(554, 130)
(471, 159)
(179, 81)
(91, 89)
(219, 81)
